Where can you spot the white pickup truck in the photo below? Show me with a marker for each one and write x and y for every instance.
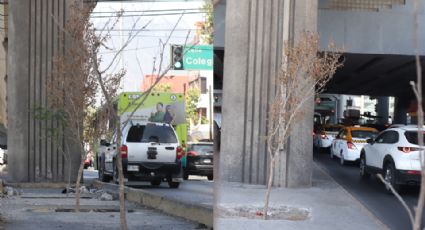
(150, 152)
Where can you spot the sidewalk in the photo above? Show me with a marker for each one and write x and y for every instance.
(326, 205)
(47, 208)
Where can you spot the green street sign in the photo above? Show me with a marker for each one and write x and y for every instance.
(198, 57)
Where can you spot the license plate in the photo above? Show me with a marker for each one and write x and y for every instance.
(207, 161)
(133, 168)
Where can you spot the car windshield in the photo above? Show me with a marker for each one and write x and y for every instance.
(365, 134)
(202, 148)
(151, 133)
(412, 137)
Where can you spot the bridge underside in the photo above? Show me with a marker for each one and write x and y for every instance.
(375, 75)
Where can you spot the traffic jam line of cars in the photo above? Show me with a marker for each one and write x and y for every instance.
(393, 153)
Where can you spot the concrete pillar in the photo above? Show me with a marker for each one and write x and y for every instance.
(255, 31)
(299, 165)
(400, 110)
(383, 104)
(34, 29)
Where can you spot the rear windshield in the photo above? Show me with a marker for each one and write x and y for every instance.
(363, 134)
(202, 148)
(151, 133)
(412, 137)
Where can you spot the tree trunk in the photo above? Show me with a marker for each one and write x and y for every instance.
(77, 184)
(123, 219)
(269, 185)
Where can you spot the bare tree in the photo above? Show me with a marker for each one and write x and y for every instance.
(304, 71)
(417, 89)
(72, 86)
(107, 83)
(78, 76)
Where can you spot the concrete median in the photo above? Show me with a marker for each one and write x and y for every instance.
(202, 214)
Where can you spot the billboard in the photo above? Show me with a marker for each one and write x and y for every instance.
(158, 107)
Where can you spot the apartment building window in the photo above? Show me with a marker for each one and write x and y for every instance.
(204, 89)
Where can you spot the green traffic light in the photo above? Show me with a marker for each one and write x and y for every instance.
(178, 65)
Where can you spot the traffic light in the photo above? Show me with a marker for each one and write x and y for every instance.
(177, 57)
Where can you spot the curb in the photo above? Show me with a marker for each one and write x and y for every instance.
(362, 206)
(37, 185)
(188, 211)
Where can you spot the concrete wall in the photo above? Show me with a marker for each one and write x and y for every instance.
(3, 74)
(255, 31)
(387, 31)
(33, 41)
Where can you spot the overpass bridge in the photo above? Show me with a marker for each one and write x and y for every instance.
(378, 39)
(377, 36)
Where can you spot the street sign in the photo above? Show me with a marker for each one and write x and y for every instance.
(198, 57)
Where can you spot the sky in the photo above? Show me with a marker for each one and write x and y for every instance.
(138, 57)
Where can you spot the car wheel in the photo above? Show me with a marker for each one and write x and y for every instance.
(390, 177)
(210, 177)
(156, 182)
(101, 171)
(363, 173)
(341, 159)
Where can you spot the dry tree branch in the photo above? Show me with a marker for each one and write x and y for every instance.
(126, 43)
(108, 97)
(397, 195)
(303, 72)
(420, 115)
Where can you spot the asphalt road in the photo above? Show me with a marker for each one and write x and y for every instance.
(371, 193)
(197, 190)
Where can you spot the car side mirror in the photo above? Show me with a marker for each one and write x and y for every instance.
(370, 141)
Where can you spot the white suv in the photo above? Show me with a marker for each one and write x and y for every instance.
(150, 152)
(394, 154)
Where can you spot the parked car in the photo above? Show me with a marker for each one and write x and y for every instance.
(394, 154)
(349, 142)
(325, 134)
(150, 152)
(3, 155)
(200, 158)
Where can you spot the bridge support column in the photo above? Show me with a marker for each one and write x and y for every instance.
(255, 31)
(383, 109)
(34, 30)
(400, 110)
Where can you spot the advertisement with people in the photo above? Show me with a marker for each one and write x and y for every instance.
(157, 107)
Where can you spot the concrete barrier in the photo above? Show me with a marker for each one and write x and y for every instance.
(186, 210)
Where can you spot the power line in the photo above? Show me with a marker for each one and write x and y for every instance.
(142, 11)
(153, 36)
(91, 1)
(147, 30)
(147, 15)
(135, 49)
